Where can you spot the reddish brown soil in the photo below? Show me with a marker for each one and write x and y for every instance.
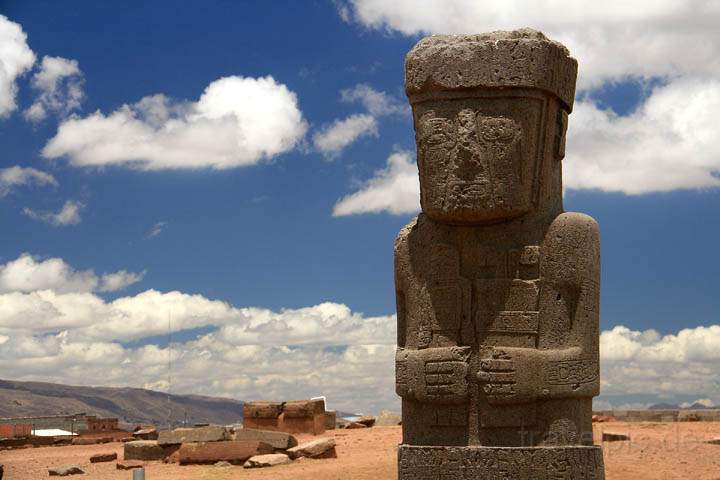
(657, 451)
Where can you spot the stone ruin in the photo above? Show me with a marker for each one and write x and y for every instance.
(296, 416)
(497, 288)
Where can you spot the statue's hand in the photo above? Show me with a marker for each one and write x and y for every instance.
(510, 375)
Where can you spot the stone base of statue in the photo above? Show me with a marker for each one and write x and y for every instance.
(500, 463)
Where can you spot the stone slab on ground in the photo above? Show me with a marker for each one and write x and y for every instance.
(233, 451)
(353, 425)
(278, 440)
(128, 464)
(713, 441)
(268, 460)
(313, 449)
(366, 420)
(614, 437)
(103, 457)
(143, 450)
(188, 435)
(65, 470)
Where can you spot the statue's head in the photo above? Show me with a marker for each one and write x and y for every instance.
(490, 116)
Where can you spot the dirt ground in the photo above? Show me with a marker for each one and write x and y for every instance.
(657, 451)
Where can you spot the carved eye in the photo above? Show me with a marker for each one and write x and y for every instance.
(498, 130)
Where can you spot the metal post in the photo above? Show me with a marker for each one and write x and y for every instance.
(139, 473)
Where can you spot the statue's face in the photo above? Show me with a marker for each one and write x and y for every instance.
(478, 157)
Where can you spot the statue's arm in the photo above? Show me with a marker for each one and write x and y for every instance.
(566, 364)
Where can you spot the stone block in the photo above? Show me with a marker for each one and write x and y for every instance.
(614, 437)
(128, 464)
(367, 420)
(330, 420)
(65, 470)
(303, 408)
(355, 425)
(388, 419)
(143, 450)
(187, 435)
(313, 449)
(268, 460)
(262, 409)
(277, 440)
(235, 452)
(103, 457)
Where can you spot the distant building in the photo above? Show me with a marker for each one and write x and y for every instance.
(73, 424)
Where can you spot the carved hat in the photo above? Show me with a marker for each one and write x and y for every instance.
(521, 58)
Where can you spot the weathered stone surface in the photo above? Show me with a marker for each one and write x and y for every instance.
(230, 451)
(500, 463)
(65, 471)
(614, 437)
(497, 287)
(388, 419)
(143, 450)
(199, 434)
(367, 420)
(223, 464)
(128, 464)
(278, 440)
(103, 457)
(268, 460)
(262, 409)
(313, 449)
(330, 420)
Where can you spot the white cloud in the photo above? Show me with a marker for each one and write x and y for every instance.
(119, 280)
(156, 230)
(669, 142)
(635, 362)
(612, 40)
(16, 176)
(69, 214)
(333, 138)
(28, 274)
(60, 86)
(237, 121)
(16, 58)
(394, 189)
(377, 103)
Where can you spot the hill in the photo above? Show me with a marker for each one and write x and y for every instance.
(130, 405)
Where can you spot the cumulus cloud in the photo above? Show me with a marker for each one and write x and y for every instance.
(237, 121)
(611, 40)
(669, 142)
(13, 177)
(28, 274)
(394, 189)
(377, 103)
(331, 139)
(641, 362)
(69, 214)
(16, 58)
(59, 84)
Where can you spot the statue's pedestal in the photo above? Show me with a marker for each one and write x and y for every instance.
(500, 463)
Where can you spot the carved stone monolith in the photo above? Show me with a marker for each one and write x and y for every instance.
(497, 288)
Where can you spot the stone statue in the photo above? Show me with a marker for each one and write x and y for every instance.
(497, 288)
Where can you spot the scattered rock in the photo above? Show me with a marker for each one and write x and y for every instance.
(65, 470)
(320, 448)
(127, 439)
(388, 419)
(366, 420)
(146, 434)
(269, 460)
(352, 425)
(712, 441)
(128, 465)
(188, 435)
(143, 450)
(614, 437)
(223, 463)
(230, 451)
(103, 457)
(278, 440)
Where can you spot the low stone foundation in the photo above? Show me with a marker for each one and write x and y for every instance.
(500, 463)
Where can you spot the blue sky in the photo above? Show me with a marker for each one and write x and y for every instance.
(265, 234)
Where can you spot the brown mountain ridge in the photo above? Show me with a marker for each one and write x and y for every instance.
(129, 405)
